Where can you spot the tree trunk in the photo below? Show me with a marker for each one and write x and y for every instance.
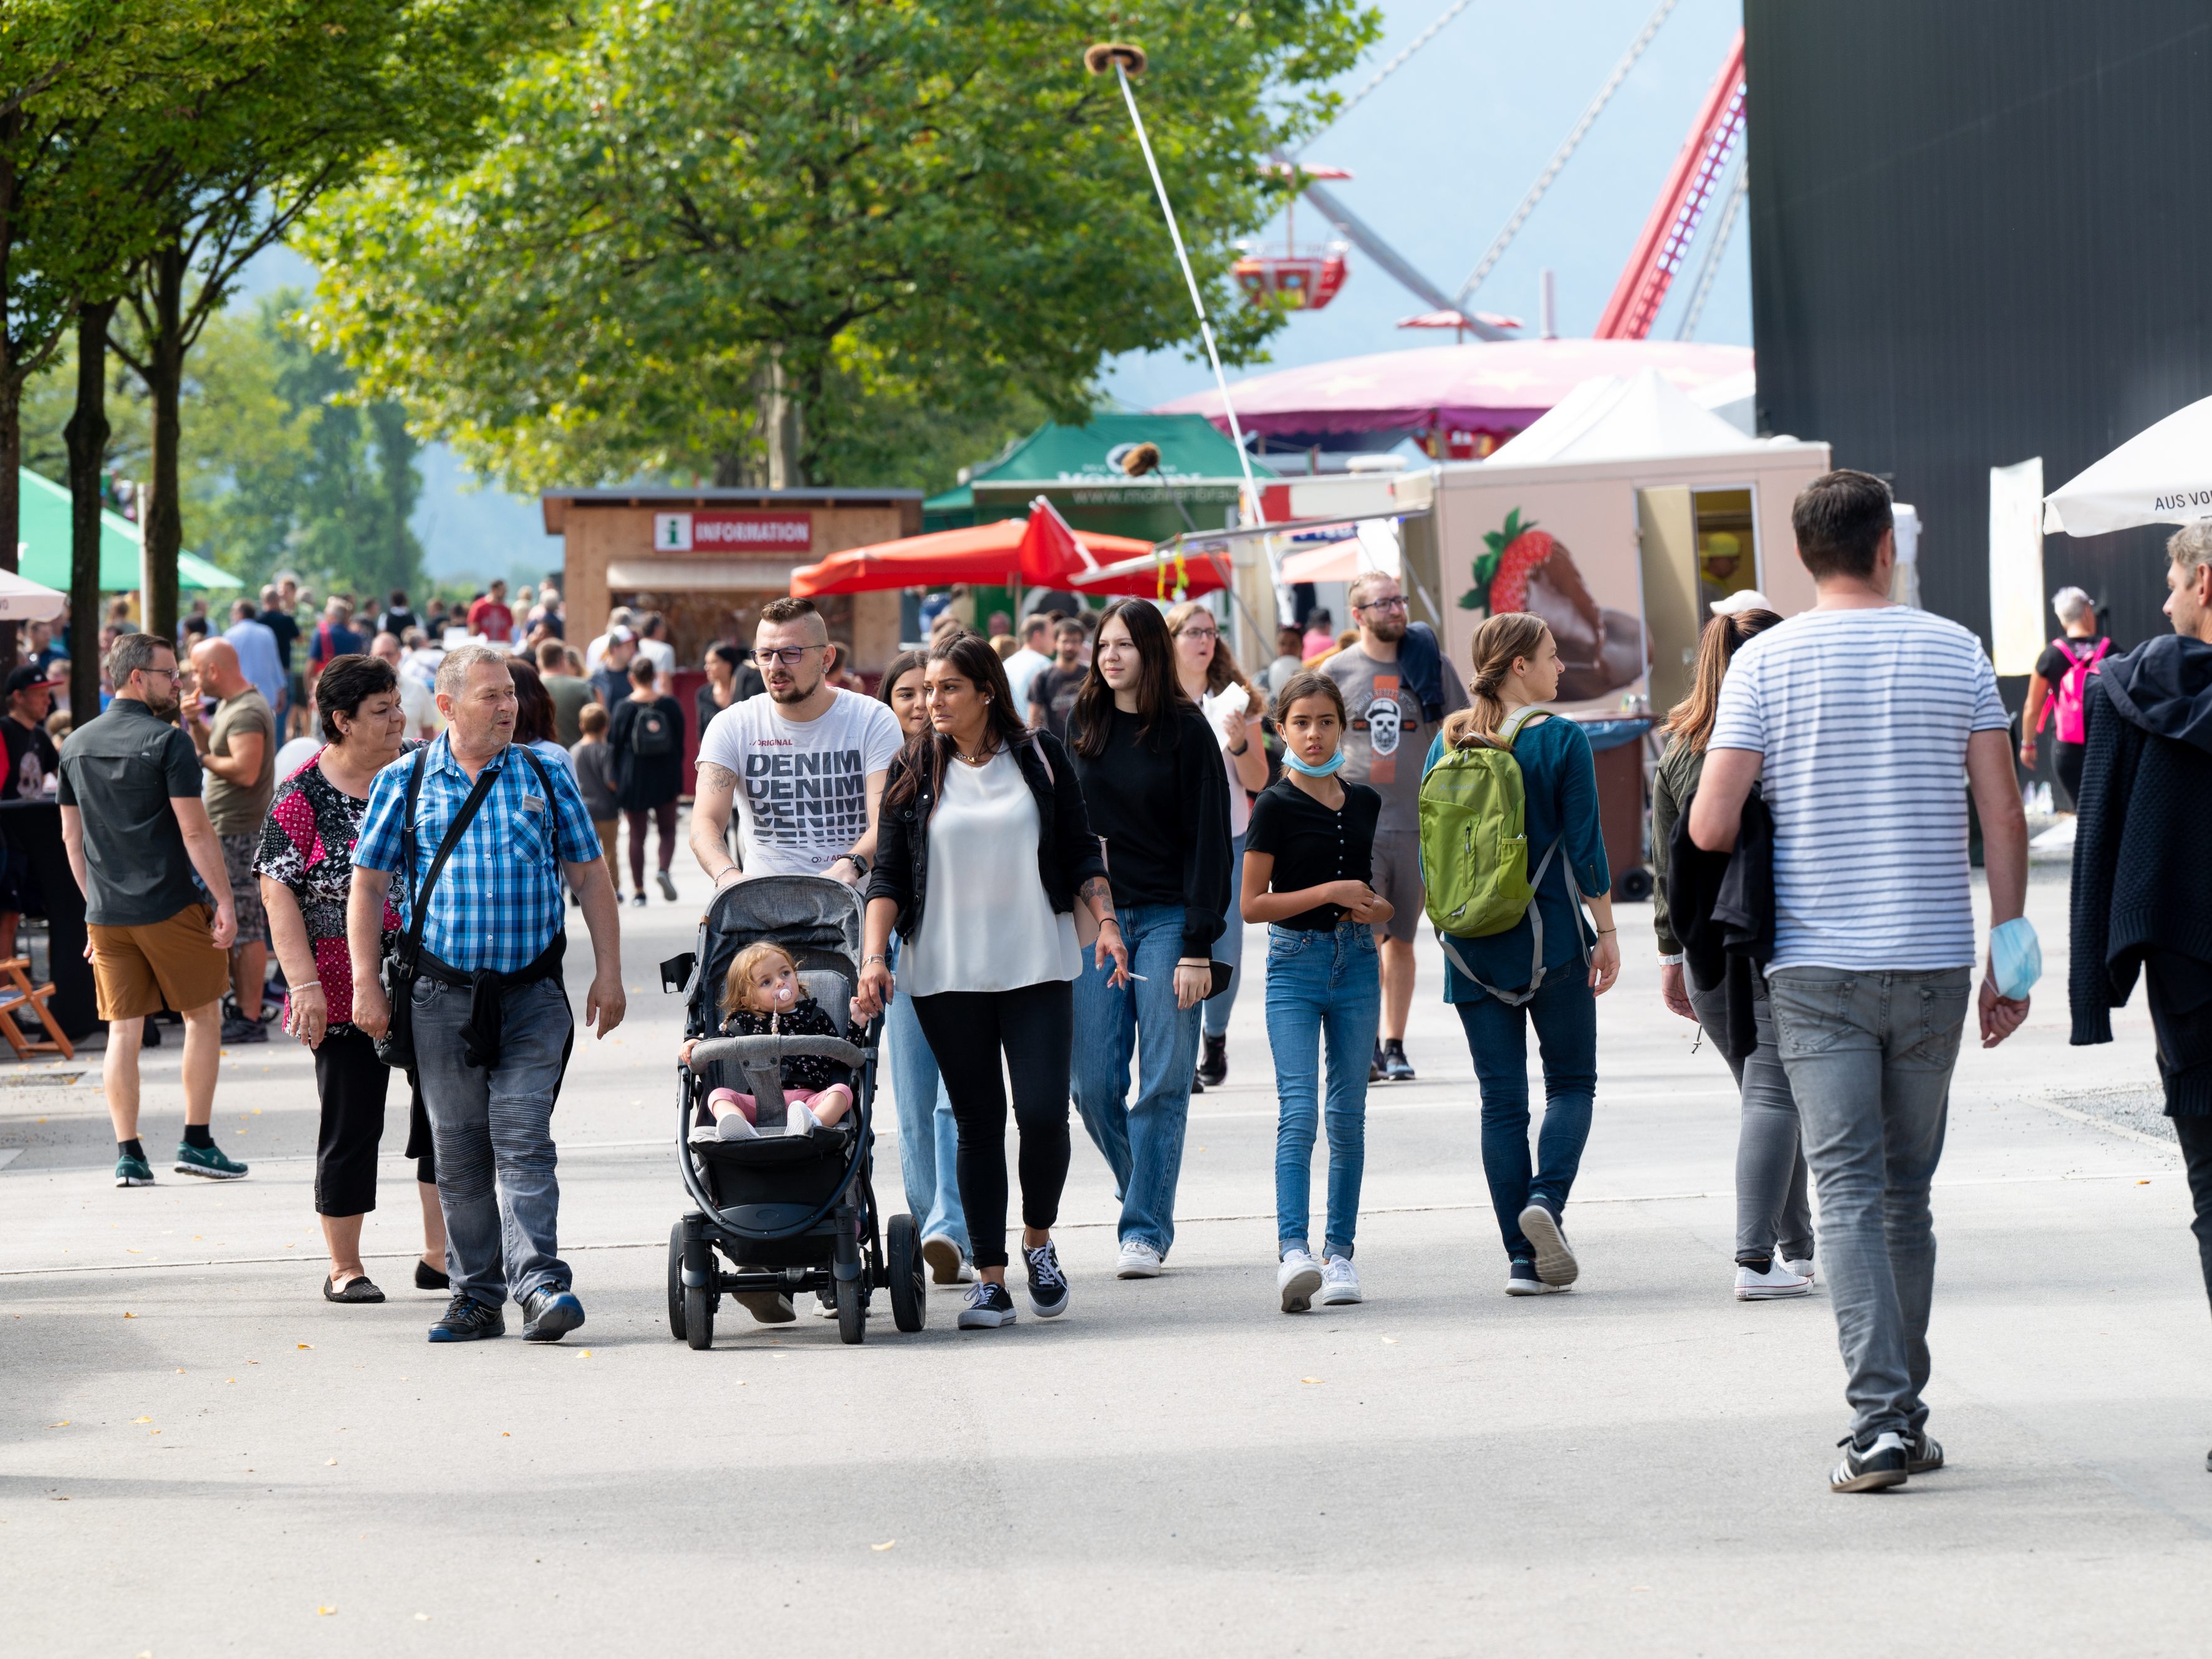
(780, 424)
(163, 515)
(12, 381)
(87, 433)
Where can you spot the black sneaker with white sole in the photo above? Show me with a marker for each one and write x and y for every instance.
(1883, 1463)
(1555, 1259)
(1521, 1279)
(1924, 1454)
(1048, 1285)
(988, 1308)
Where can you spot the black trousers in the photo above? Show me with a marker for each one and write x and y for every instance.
(1035, 1028)
(663, 816)
(2067, 757)
(352, 1083)
(2194, 1134)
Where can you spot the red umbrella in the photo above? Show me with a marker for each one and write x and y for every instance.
(1007, 551)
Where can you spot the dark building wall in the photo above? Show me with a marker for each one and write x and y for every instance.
(1982, 231)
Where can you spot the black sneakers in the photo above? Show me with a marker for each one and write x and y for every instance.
(1555, 1258)
(551, 1314)
(1884, 1463)
(1397, 1068)
(467, 1320)
(1048, 1285)
(988, 1308)
(1213, 1060)
(1923, 1455)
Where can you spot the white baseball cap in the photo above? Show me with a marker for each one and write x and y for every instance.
(1749, 599)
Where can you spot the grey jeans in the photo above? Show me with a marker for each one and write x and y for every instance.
(493, 1132)
(1870, 1057)
(1773, 1214)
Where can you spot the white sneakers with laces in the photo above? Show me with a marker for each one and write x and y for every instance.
(1339, 1285)
(1296, 1279)
(1138, 1261)
(1777, 1282)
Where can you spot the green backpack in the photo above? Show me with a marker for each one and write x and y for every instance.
(1474, 850)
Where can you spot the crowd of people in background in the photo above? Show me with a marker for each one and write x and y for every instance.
(1059, 833)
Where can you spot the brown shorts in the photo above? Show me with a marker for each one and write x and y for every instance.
(1398, 878)
(136, 971)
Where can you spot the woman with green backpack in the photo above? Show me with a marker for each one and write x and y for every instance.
(1511, 850)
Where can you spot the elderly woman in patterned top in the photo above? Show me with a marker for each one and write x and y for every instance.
(306, 866)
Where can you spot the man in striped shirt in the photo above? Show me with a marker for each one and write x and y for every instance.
(1867, 723)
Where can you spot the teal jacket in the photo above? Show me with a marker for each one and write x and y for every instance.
(1560, 784)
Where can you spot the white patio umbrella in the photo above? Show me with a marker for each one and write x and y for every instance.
(2163, 475)
(23, 600)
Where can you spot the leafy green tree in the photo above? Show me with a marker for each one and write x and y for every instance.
(743, 238)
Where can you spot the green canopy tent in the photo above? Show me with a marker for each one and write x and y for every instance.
(45, 535)
(1078, 469)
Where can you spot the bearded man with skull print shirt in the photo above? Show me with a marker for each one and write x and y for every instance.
(1384, 748)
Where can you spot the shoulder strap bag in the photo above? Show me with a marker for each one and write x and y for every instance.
(395, 1048)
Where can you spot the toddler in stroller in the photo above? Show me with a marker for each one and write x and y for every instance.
(764, 996)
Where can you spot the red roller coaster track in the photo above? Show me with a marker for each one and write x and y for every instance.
(1673, 222)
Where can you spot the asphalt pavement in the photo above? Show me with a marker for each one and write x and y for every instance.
(199, 1456)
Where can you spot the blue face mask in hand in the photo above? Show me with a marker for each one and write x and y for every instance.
(1327, 769)
(2015, 958)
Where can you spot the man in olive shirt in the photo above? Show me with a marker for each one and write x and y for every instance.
(1384, 746)
(136, 831)
(569, 692)
(238, 749)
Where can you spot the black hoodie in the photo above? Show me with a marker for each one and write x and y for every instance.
(2138, 848)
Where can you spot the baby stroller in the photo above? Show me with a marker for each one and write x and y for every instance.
(792, 1213)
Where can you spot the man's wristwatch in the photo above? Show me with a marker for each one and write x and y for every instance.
(855, 860)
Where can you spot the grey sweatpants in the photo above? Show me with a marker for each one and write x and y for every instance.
(1773, 1213)
(1870, 1057)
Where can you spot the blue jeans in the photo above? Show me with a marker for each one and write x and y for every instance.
(1142, 1142)
(493, 1135)
(1321, 988)
(929, 1140)
(1230, 947)
(1565, 1013)
(1870, 1057)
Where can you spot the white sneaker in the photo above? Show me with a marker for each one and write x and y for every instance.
(824, 1310)
(1138, 1261)
(1297, 1280)
(1339, 1285)
(735, 1126)
(1802, 1269)
(1777, 1282)
(798, 1120)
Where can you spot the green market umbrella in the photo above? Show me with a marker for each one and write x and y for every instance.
(45, 551)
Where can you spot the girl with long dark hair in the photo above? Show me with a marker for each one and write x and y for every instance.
(1495, 981)
(984, 853)
(1153, 776)
(1232, 706)
(1773, 1214)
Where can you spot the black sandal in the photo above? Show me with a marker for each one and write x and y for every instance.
(357, 1290)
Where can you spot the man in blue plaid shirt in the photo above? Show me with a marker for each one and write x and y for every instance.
(491, 1020)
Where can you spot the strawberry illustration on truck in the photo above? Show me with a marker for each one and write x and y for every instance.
(1525, 569)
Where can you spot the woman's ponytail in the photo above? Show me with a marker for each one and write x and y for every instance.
(1502, 641)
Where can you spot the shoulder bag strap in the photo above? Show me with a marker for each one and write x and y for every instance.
(419, 905)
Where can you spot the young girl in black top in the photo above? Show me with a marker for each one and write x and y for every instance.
(764, 996)
(1308, 858)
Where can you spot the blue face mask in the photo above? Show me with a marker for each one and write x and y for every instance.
(1327, 769)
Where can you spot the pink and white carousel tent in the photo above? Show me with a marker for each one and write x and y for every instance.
(1461, 400)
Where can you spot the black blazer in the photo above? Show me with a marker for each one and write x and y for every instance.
(1067, 852)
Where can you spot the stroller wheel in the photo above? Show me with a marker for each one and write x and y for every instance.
(903, 1267)
(675, 1281)
(699, 1315)
(852, 1311)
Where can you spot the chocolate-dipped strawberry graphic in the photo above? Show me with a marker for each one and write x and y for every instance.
(1525, 569)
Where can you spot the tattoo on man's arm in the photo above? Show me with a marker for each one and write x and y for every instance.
(716, 777)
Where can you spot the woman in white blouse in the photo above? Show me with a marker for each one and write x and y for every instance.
(985, 853)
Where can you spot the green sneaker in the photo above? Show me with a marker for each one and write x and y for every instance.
(132, 1171)
(207, 1161)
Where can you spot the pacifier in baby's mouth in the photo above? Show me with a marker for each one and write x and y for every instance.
(784, 992)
